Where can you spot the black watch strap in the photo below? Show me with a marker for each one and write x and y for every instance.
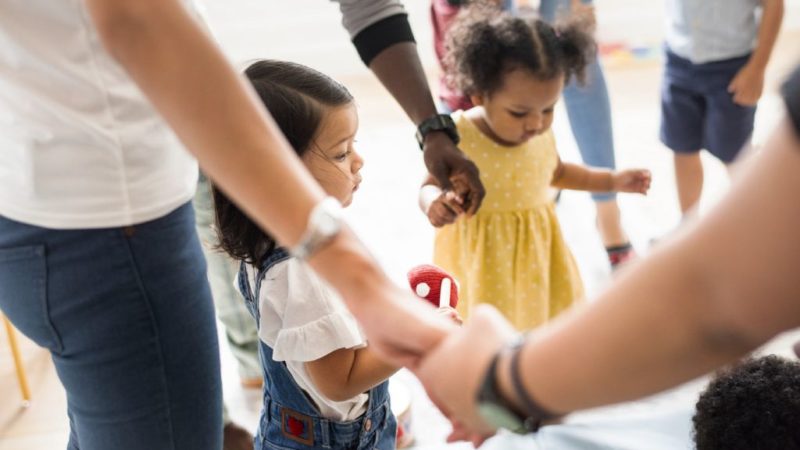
(439, 122)
(536, 414)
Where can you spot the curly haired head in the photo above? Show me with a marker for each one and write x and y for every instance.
(484, 43)
(753, 405)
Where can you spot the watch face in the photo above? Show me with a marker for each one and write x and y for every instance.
(499, 417)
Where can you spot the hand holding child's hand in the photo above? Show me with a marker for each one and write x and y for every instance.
(747, 85)
(450, 313)
(445, 209)
(634, 180)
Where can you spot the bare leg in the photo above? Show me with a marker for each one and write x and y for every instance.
(689, 179)
(609, 224)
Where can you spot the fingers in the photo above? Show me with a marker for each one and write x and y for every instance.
(441, 214)
(441, 172)
(471, 187)
(453, 201)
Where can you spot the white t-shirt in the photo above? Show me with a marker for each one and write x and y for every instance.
(80, 146)
(303, 319)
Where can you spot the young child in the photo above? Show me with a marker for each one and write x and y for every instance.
(512, 253)
(587, 105)
(752, 405)
(716, 54)
(324, 387)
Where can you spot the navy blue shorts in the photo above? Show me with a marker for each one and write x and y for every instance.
(698, 112)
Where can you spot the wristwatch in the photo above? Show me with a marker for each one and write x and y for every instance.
(324, 223)
(439, 122)
(497, 411)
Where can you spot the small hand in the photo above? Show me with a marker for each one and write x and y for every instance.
(451, 314)
(445, 209)
(635, 180)
(747, 85)
(448, 165)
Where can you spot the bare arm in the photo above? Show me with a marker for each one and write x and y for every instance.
(771, 19)
(583, 178)
(748, 84)
(345, 373)
(718, 290)
(216, 115)
(399, 69)
(723, 287)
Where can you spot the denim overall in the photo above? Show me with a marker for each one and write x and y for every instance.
(289, 419)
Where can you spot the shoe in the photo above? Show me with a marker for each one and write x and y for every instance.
(235, 437)
(620, 254)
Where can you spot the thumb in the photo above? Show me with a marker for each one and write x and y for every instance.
(732, 85)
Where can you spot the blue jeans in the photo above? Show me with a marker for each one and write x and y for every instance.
(588, 106)
(126, 314)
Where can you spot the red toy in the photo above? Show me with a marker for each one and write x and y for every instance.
(434, 285)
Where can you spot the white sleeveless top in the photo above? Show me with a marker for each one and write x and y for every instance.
(80, 146)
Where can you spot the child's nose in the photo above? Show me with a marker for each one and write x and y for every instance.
(534, 122)
(358, 162)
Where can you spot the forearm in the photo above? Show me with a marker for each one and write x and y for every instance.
(399, 69)
(582, 178)
(706, 298)
(345, 373)
(771, 20)
(193, 86)
(368, 371)
(243, 152)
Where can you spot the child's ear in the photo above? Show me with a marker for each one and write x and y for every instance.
(476, 99)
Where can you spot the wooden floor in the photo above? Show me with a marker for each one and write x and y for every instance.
(392, 175)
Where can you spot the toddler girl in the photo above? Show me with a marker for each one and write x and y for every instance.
(511, 253)
(324, 387)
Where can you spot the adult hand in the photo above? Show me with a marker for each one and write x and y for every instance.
(453, 371)
(635, 181)
(747, 85)
(453, 170)
(402, 327)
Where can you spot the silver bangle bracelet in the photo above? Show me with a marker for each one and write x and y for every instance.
(324, 223)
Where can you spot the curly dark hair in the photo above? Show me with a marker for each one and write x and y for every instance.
(754, 405)
(296, 97)
(484, 43)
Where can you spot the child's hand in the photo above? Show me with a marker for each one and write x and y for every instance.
(450, 313)
(445, 209)
(635, 180)
(747, 85)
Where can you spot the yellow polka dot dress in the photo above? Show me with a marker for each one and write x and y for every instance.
(511, 254)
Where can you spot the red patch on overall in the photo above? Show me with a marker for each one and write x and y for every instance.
(295, 426)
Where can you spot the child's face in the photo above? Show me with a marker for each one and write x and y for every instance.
(332, 160)
(521, 108)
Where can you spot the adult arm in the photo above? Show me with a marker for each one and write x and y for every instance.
(721, 288)
(218, 118)
(384, 41)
